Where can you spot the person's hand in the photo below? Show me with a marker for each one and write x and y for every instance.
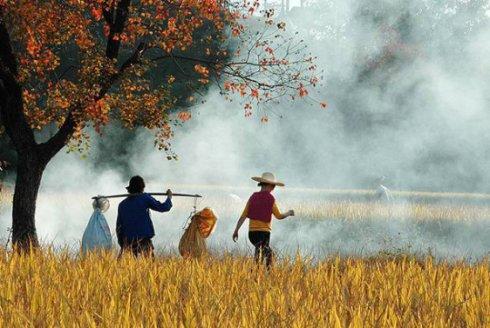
(235, 236)
(169, 194)
(291, 213)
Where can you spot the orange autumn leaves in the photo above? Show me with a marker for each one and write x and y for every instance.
(204, 72)
(281, 71)
(184, 116)
(255, 95)
(180, 19)
(55, 83)
(40, 30)
(97, 13)
(63, 66)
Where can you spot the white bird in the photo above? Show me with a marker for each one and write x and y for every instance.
(382, 192)
(235, 198)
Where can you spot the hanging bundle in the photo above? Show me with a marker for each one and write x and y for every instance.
(97, 235)
(193, 242)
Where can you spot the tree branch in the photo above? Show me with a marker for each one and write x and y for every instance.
(12, 113)
(63, 135)
(108, 13)
(227, 69)
(113, 44)
(133, 60)
(7, 58)
(51, 147)
(11, 106)
(188, 58)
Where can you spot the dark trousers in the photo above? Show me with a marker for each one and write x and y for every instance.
(260, 240)
(138, 247)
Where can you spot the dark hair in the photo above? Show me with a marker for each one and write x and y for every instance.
(262, 184)
(136, 185)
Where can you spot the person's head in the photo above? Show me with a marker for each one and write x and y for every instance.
(136, 185)
(266, 186)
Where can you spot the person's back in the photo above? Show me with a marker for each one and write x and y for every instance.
(260, 208)
(134, 215)
(134, 227)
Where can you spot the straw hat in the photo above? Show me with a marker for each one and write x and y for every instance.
(268, 178)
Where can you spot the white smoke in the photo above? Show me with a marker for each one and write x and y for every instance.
(408, 91)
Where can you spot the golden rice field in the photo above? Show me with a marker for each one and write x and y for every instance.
(369, 210)
(359, 210)
(46, 290)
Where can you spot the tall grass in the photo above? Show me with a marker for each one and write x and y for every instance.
(379, 210)
(317, 209)
(43, 289)
(56, 289)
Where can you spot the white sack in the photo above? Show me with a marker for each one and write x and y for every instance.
(97, 235)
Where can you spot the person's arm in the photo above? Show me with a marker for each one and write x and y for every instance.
(239, 224)
(160, 207)
(119, 229)
(279, 215)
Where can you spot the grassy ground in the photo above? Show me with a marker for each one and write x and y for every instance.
(43, 289)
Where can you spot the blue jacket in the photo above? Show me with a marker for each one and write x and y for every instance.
(133, 216)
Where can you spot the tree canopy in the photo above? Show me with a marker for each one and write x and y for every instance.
(69, 64)
(87, 62)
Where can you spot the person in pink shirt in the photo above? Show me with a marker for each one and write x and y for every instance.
(259, 209)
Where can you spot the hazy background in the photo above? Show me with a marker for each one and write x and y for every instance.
(407, 84)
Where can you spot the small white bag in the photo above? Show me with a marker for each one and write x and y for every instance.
(97, 235)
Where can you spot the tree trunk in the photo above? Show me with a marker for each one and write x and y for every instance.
(29, 173)
(32, 156)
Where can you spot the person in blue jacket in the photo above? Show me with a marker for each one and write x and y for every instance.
(134, 227)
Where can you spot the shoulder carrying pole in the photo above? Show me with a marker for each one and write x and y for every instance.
(150, 193)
